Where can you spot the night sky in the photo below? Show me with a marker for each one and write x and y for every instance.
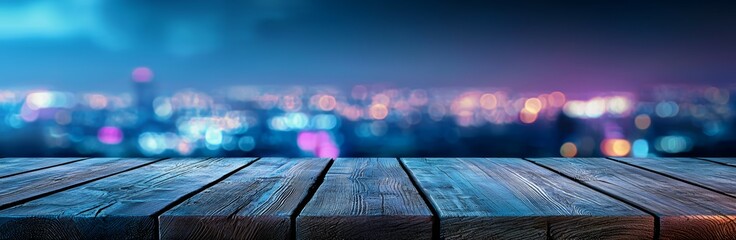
(85, 45)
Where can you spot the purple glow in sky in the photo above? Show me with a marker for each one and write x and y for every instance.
(527, 45)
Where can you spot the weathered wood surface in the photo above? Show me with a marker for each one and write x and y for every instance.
(19, 188)
(123, 206)
(515, 199)
(727, 161)
(710, 175)
(255, 203)
(276, 198)
(15, 166)
(365, 199)
(685, 211)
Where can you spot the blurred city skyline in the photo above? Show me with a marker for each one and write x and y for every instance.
(86, 45)
(333, 78)
(366, 121)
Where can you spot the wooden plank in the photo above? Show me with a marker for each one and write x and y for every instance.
(685, 211)
(19, 188)
(706, 174)
(14, 166)
(365, 199)
(727, 161)
(255, 203)
(515, 199)
(123, 206)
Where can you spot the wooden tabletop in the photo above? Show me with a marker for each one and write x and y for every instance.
(367, 198)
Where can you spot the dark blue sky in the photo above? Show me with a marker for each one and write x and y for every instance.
(577, 46)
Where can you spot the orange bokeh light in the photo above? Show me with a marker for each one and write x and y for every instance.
(327, 103)
(642, 121)
(488, 101)
(378, 111)
(616, 147)
(527, 117)
(533, 105)
(568, 149)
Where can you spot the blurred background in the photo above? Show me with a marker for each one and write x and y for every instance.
(335, 78)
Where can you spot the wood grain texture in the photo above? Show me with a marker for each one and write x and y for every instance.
(515, 199)
(685, 211)
(118, 207)
(711, 175)
(15, 166)
(18, 188)
(727, 161)
(255, 203)
(365, 199)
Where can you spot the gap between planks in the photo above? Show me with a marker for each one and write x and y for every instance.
(633, 204)
(709, 160)
(195, 192)
(423, 194)
(310, 194)
(321, 177)
(25, 200)
(674, 177)
(46, 167)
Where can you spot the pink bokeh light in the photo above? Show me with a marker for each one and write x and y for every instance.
(319, 143)
(328, 150)
(110, 135)
(142, 74)
(307, 141)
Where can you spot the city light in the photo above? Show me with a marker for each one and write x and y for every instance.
(319, 143)
(142, 74)
(557, 99)
(568, 149)
(110, 135)
(615, 147)
(533, 105)
(640, 148)
(673, 144)
(642, 121)
(667, 109)
(488, 101)
(378, 111)
(527, 116)
(327, 103)
(327, 121)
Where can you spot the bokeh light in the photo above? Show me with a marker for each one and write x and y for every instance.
(327, 103)
(618, 105)
(615, 147)
(488, 101)
(595, 108)
(667, 109)
(246, 144)
(716, 95)
(378, 111)
(533, 105)
(527, 117)
(151, 143)
(673, 144)
(642, 121)
(557, 99)
(110, 135)
(568, 149)
(640, 148)
(319, 143)
(142, 74)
